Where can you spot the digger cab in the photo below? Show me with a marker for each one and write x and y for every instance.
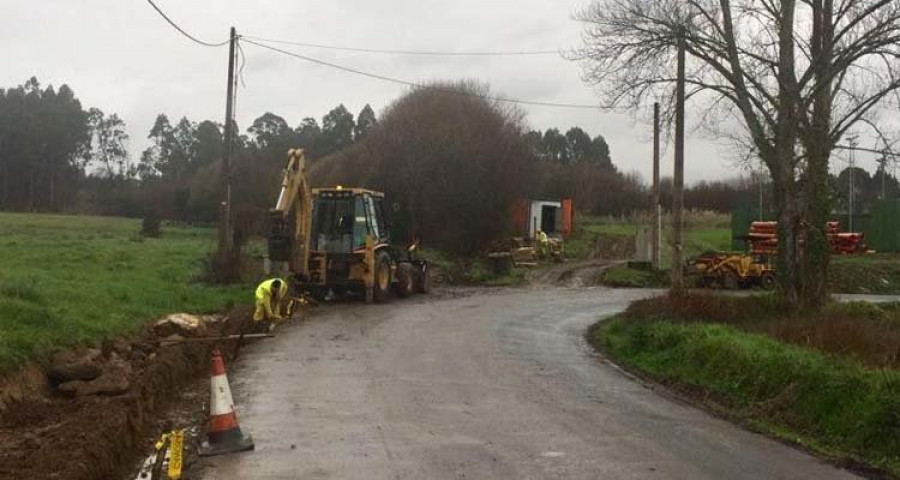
(342, 218)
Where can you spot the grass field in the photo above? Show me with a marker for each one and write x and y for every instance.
(862, 273)
(703, 232)
(68, 280)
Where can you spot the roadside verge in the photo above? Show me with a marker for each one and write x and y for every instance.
(98, 429)
(837, 406)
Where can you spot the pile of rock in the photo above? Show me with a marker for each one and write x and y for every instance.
(90, 373)
(93, 371)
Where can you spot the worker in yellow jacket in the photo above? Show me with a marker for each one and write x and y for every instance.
(543, 242)
(269, 297)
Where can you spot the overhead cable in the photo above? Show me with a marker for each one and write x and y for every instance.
(181, 30)
(416, 84)
(440, 53)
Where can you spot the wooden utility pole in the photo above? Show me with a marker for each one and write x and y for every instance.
(225, 237)
(655, 207)
(678, 184)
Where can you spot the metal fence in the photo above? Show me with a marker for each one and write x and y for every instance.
(881, 225)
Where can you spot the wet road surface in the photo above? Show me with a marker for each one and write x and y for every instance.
(491, 385)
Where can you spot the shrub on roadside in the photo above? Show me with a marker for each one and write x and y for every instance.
(866, 332)
(833, 404)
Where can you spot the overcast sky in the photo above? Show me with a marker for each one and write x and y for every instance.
(122, 57)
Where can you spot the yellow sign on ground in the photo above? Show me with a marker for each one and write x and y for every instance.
(176, 451)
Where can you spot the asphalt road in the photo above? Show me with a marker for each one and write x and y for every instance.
(490, 385)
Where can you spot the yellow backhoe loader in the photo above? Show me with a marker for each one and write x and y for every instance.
(732, 270)
(337, 240)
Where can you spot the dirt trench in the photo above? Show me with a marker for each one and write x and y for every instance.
(45, 435)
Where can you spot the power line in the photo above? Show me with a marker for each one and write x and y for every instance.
(416, 84)
(186, 34)
(440, 53)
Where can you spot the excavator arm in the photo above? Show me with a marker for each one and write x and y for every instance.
(290, 222)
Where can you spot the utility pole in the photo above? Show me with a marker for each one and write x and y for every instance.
(882, 163)
(760, 179)
(656, 208)
(225, 237)
(678, 184)
(852, 164)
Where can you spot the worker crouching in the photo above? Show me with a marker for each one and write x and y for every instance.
(270, 296)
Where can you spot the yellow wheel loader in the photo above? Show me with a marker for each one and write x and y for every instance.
(336, 240)
(732, 271)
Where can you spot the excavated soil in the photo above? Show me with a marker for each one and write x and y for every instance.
(44, 435)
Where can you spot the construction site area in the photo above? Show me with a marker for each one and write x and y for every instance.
(526, 240)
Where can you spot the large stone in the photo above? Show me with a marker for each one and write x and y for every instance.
(182, 324)
(72, 365)
(113, 381)
(74, 371)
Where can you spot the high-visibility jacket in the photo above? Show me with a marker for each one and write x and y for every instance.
(268, 305)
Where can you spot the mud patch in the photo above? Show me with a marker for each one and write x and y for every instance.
(44, 435)
(572, 274)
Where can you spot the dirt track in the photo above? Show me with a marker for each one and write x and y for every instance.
(490, 385)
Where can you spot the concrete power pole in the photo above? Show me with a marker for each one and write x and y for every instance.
(678, 184)
(655, 207)
(852, 188)
(225, 237)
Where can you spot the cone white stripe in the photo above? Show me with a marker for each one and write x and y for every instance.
(220, 396)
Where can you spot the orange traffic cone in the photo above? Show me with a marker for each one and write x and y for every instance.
(225, 434)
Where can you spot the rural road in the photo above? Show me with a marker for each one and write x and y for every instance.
(496, 385)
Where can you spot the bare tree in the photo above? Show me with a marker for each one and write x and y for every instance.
(791, 76)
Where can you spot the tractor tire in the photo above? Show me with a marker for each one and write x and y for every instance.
(405, 285)
(423, 279)
(382, 288)
(730, 281)
(767, 281)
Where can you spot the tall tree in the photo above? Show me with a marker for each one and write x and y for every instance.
(555, 146)
(209, 143)
(108, 143)
(309, 137)
(364, 122)
(44, 140)
(823, 68)
(269, 130)
(337, 129)
(579, 146)
(600, 150)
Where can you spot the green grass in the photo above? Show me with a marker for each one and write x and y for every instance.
(830, 403)
(699, 236)
(67, 280)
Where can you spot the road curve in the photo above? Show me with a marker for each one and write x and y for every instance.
(490, 385)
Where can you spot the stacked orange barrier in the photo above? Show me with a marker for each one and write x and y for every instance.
(763, 238)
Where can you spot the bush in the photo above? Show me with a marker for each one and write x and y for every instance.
(865, 332)
(452, 163)
(150, 226)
